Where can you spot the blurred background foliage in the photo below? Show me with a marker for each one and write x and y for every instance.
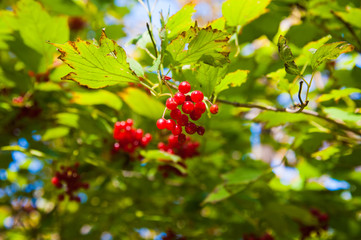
(258, 171)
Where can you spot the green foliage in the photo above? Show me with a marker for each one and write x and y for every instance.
(266, 161)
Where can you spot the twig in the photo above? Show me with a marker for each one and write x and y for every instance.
(299, 93)
(306, 112)
(151, 38)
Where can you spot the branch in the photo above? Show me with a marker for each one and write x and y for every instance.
(337, 123)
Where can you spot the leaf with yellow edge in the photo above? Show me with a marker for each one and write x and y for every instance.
(96, 66)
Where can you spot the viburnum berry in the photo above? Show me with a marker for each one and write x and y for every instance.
(197, 96)
(200, 107)
(177, 129)
(170, 124)
(195, 115)
(182, 120)
(179, 98)
(187, 107)
(191, 128)
(171, 104)
(167, 78)
(214, 109)
(175, 114)
(161, 124)
(184, 87)
(200, 130)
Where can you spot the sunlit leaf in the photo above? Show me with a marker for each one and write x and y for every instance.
(337, 94)
(181, 21)
(234, 79)
(96, 98)
(287, 57)
(96, 66)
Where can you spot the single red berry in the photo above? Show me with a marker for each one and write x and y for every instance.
(191, 128)
(179, 98)
(182, 120)
(129, 122)
(138, 134)
(116, 147)
(200, 130)
(175, 114)
(55, 181)
(214, 109)
(172, 140)
(184, 87)
(187, 107)
(170, 124)
(171, 104)
(181, 138)
(161, 146)
(167, 78)
(161, 124)
(200, 107)
(177, 129)
(195, 115)
(197, 96)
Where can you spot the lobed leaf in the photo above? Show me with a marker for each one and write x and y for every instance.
(234, 79)
(336, 94)
(181, 21)
(328, 52)
(351, 16)
(207, 45)
(96, 66)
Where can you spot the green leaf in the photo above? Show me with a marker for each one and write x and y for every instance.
(37, 28)
(352, 16)
(279, 77)
(239, 13)
(287, 57)
(136, 67)
(5, 29)
(99, 97)
(219, 23)
(219, 193)
(298, 213)
(142, 104)
(243, 175)
(207, 45)
(328, 52)
(159, 156)
(181, 21)
(337, 113)
(234, 79)
(208, 77)
(53, 133)
(273, 119)
(96, 66)
(337, 94)
(309, 49)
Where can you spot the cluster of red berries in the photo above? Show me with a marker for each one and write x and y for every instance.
(69, 178)
(170, 235)
(129, 138)
(266, 236)
(181, 106)
(186, 149)
(322, 224)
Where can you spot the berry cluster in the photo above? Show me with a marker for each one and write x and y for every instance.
(185, 149)
(266, 236)
(129, 138)
(184, 105)
(322, 219)
(69, 178)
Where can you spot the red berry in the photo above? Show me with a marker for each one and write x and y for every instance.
(200, 130)
(161, 123)
(161, 146)
(195, 115)
(129, 122)
(55, 181)
(182, 120)
(138, 134)
(187, 107)
(167, 78)
(175, 114)
(184, 87)
(179, 98)
(172, 140)
(188, 98)
(116, 147)
(170, 124)
(191, 128)
(171, 104)
(197, 96)
(177, 129)
(200, 107)
(181, 138)
(214, 109)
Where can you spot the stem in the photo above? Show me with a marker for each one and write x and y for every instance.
(151, 38)
(150, 89)
(337, 123)
(299, 93)
(309, 86)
